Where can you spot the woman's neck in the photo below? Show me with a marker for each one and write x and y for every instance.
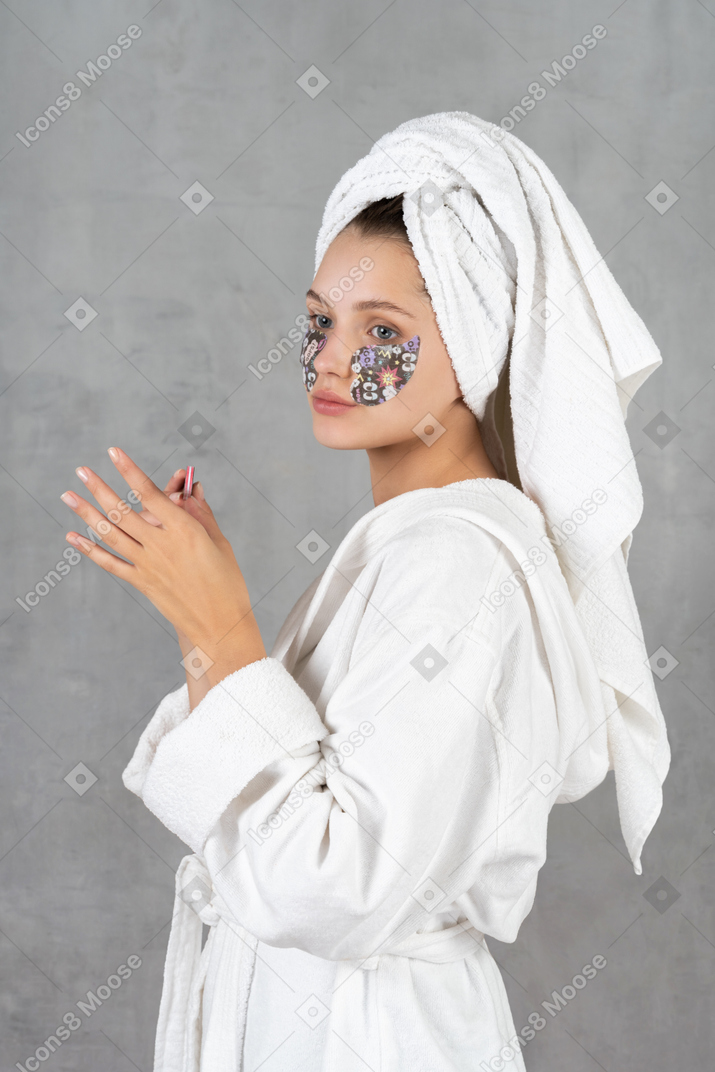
(432, 461)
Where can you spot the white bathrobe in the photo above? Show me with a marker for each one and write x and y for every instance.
(368, 802)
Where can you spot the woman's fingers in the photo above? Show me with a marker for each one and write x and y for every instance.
(198, 508)
(109, 562)
(203, 512)
(109, 532)
(175, 483)
(153, 500)
(119, 512)
(147, 516)
(174, 486)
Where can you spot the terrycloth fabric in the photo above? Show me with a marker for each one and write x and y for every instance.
(281, 717)
(520, 291)
(347, 923)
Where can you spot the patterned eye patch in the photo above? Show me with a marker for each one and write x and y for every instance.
(313, 343)
(380, 371)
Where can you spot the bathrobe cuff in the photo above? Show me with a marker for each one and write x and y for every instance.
(172, 710)
(203, 759)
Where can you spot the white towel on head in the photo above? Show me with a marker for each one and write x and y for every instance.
(513, 274)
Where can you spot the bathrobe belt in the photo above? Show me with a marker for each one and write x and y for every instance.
(189, 1041)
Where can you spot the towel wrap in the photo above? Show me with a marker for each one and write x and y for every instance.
(547, 352)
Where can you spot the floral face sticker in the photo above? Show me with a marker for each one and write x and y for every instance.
(382, 371)
(313, 343)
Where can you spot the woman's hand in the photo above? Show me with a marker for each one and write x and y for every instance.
(173, 490)
(178, 558)
(174, 487)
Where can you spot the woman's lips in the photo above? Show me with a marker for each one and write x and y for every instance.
(327, 403)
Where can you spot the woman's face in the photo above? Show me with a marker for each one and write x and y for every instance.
(387, 306)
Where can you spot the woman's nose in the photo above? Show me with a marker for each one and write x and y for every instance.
(335, 356)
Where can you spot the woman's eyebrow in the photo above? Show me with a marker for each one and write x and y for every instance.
(377, 303)
(366, 305)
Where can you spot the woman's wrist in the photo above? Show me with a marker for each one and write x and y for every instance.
(231, 653)
(224, 655)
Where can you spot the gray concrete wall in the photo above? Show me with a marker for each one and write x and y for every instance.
(184, 302)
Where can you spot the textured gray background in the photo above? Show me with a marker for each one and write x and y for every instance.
(184, 303)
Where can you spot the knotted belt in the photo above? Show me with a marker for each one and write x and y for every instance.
(189, 1041)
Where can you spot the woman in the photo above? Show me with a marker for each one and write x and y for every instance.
(369, 801)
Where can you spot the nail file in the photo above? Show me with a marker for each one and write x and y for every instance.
(188, 482)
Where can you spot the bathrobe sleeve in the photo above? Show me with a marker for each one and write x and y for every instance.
(412, 794)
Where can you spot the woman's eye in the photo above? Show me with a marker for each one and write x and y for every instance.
(379, 329)
(321, 321)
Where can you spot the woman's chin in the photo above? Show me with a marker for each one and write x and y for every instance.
(329, 435)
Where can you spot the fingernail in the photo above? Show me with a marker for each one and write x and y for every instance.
(113, 453)
(178, 472)
(79, 541)
(69, 498)
(199, 490)
(82, 474)
(175, 496)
